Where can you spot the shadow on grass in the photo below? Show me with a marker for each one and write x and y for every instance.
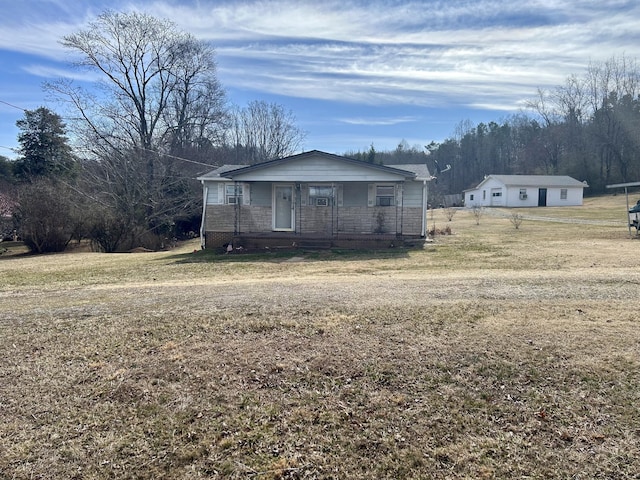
(13, 249)
(219, 256)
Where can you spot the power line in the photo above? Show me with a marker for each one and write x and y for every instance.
(14, 106)
(165, 155)
(145, 149)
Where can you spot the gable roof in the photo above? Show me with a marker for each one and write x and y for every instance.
(558, 181)
(228, 172)
(220, 172)
(312, 153)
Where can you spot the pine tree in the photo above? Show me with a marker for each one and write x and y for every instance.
(43, 146)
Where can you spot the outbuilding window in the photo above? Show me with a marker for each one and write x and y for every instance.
(563, 194)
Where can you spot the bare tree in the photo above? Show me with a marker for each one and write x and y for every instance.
(613, 87)
(158, 95)
(137, 56)
(196, 111)
(264, 131)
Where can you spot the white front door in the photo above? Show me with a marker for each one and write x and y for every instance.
(283, 208)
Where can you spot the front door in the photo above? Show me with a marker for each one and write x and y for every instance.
(283, 208)
(542, 197)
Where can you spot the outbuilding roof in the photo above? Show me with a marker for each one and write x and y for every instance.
(539, 180)
(544, 181)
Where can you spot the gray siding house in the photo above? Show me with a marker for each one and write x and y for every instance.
(526, 191)
(314, 198)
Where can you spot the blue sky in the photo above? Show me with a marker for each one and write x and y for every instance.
(353, 72)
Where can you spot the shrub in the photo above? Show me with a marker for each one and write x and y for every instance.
(477, 211)
(449, 213)
(516, 220)
(440, 231)
(106, 230)
(45, 216)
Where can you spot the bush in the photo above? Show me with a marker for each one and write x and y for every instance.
(516, 219)
(107, 231)
(45, 216)
(440, 231)
(477, 211)
(449, 213)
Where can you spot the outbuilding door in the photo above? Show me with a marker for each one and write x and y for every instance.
(283, 208)
(542, 197)
(496, 197)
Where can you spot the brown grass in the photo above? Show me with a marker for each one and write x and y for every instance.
(491, 353)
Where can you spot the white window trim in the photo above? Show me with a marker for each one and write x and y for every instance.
(237, 199)
(321, 200)
(392, 197)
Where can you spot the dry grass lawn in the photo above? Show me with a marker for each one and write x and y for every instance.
(491, 353)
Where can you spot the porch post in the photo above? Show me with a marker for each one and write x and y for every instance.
(236, 208)
(425, 191)
(401, 187)
(205, 197)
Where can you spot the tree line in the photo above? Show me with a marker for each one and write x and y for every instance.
(588, 128)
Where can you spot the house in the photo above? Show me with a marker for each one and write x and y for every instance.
(314, 199)
(526, 191)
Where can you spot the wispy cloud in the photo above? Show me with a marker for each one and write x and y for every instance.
(49, 73)
(382, 51)
(378, 121)
(429, 54)
(483, 54)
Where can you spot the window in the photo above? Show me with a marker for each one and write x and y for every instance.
(523, 194)
(563, 194)
(320, 195)
(496, 194)
(385, 195)
(471, 197)
(233, 194)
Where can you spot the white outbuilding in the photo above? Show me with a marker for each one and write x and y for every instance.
(526, 191)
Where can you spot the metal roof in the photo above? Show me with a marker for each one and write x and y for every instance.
(537, 180)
